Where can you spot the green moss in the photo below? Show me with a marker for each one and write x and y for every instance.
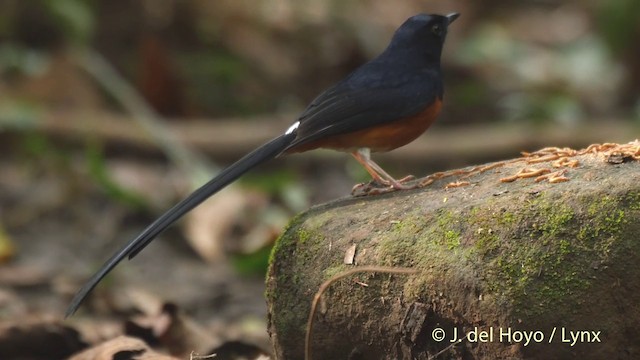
(452, 239)
(483, 220)
(507, 218)
(603, 233)
(417, 237)
(302, 235)
(447, 232)
(396, 243)
(633, 200)
(282, 242)
(295, 233)
(606, 220)
(554, 220)
(288, 254)
(334, 270)
(395, 249)
(486, 241)
(299, 231)
(403, 226)
(536, 271)
(550, 268)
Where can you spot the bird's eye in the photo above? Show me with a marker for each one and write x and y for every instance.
(436, 29)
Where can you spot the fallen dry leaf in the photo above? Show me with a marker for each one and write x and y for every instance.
(122, 347)
(208, 224)
(38, 340)
(246, 217)
(350, 255)
(171, 329)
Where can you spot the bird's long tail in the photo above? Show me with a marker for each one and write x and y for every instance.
(266, 152)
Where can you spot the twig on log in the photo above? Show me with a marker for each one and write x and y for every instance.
(327, 283)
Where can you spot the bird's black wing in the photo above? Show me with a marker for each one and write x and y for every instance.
(344, 109)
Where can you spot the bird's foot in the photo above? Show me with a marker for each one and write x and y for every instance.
(382, 186)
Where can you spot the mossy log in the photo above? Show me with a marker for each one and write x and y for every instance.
(525, 269)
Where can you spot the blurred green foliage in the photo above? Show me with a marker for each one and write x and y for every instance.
(99, 172)
(213, 77)
(75, 18)
(37, 145)
(270, 182)
(495, 66)
(17, 60)
(619, 22)
(252, 264)
(39, 148)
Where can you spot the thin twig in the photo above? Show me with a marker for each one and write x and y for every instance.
(325, 285)
(448, 347)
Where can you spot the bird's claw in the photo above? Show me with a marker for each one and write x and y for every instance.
(381, 186)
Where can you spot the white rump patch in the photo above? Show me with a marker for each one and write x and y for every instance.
(292, 128)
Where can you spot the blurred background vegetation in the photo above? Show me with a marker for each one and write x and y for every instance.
(136, 102)
(562, 61)
(540, 61)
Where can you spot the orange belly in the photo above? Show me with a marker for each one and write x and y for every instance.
(384, 137)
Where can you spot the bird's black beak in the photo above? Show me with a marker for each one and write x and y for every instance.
(451, 17)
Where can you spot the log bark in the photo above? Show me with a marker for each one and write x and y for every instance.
(534, 268)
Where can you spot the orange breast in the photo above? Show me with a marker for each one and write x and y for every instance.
(383, 137)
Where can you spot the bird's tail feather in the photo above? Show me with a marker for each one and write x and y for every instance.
(266, 152)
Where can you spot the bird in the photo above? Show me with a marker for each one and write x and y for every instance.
(384, 104)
